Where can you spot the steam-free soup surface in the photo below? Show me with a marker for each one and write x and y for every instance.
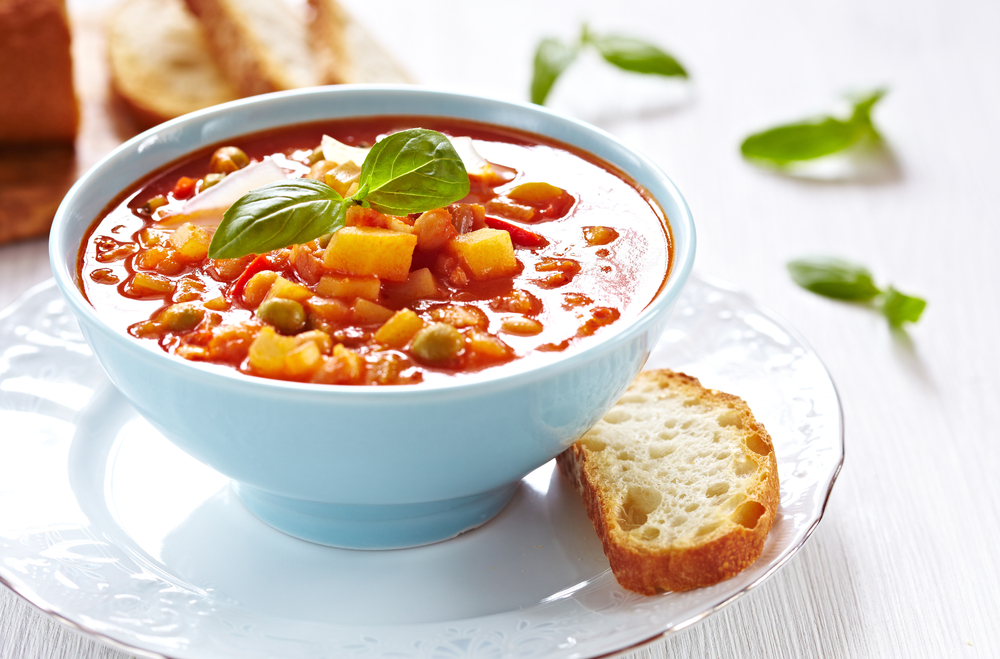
(549, 250)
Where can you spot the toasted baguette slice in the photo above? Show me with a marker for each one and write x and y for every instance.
(680, 482)
(37, 100)
(164, 71)
(260, 45)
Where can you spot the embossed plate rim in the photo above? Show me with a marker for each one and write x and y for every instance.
(643, 607)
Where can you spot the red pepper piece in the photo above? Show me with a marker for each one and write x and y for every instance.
(259, 264)
(556, 208)
(184, 187)
(518, 236)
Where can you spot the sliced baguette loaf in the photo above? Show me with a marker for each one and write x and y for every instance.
(260, 45)
(680, 482)
(166, 71)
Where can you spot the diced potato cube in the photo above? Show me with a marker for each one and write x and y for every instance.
(419, 285)
(487, 253)
(332, 311)
(288, 290)
(349, 287)
(268, 351)
(145, 284)
(343, 367)
(534, 193)
(369, 313)
(231, 343)
(320, 339)
(191, 242)
(398, 330)
(152, 257)
(303, 360)
(371, 251)
(342, 176)
(257, 287)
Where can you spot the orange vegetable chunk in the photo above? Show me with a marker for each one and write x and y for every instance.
(398, 330)
(288, 290)
(369, 313)
(191, 242)
(487, 253)
(349, 287)
(371, 251)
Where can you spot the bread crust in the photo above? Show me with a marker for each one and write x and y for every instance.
(692, 563)
(37, 101)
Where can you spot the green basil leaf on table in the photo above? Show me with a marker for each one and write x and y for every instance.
(807, 140)
(634, 55)
(900, 308)
(834, 278)
(277, 215)
(551, 58)
(843, 280)
(412, 171)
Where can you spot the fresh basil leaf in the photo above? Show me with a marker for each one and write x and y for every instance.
(277, 215)
(634, 55)
(807, 140)
(551, 59)
(412, 171)
(900, 308)
(862, 116)
(834, 278)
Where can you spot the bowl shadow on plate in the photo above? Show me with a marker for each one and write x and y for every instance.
(540, 544)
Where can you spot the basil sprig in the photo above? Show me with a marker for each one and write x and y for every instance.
(411, 171)
(806, 140)
(843, 280)
(553, 57)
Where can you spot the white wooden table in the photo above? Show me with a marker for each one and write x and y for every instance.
(905, 562)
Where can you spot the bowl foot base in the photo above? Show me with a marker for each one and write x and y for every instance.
(374, 526)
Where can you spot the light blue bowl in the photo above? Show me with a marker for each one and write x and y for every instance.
(362, 467)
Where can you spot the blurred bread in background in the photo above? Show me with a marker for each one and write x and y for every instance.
(205, 52)
(164, 72)
(37, 102)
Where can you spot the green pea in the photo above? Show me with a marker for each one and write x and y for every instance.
(228, 159)
(437, 343)
(287, 316)
(182, 316)
(210, 180)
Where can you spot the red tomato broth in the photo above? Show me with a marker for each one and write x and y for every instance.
(607, 283)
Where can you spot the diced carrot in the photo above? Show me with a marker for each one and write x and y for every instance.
(184, 187)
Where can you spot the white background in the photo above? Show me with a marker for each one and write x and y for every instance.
(904, 564)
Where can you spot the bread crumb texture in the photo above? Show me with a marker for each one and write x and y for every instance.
(681, 483)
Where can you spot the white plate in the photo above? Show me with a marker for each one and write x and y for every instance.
(107, 526)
